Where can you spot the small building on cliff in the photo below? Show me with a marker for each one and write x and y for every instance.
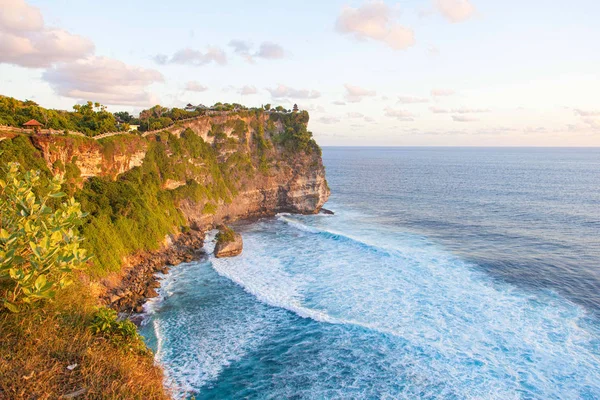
(33, 125)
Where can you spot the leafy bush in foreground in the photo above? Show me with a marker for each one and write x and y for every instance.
(39, 247)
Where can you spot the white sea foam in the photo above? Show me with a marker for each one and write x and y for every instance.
(482, 338)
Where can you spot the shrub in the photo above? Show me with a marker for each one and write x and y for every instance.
(225, 235)
(39, 247)
(209, 208)
(106, 322)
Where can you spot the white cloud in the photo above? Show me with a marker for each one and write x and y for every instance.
(587, 113)
(247, 90)
(438, 110)
(442, 92)
(329, 120)
(193, 57)
(463, 118)
(355, 94)
(401, 115)
(470, 110)
(195, 86)
(411, 100)
(267, 50)
(103, 79)
(592, 123)
(455, 10)
(375, 20)
(355, 115)
(270, 51)
(314, 108)
(240, 46)
(370, 119)
(338, 103)
(282, 91)
(27, 42)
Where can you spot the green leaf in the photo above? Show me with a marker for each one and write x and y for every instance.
(58, 195)
(40, 282)
(11, 306)
(34, 249)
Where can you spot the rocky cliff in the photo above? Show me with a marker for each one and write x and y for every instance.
(259, 163)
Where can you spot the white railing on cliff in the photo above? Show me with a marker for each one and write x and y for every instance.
(14, 129)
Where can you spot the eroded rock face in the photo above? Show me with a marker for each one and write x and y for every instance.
(230, 249)
(295, 182)
(90, 156)
(298, 187)
(138, 282)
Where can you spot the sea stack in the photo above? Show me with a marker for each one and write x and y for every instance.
(229, 243)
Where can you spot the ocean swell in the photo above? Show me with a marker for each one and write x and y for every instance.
(477, 333)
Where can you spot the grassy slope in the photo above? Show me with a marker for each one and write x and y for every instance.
(37, 347)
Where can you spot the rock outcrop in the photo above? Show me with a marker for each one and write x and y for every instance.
(229, 243)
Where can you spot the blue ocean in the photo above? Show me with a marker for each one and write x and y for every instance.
(445, 273)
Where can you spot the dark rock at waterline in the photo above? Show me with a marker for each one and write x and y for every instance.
(140, 282)
(326, 211)
(154, 284)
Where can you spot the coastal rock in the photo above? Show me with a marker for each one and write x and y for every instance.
(139, 282)
(229, 248)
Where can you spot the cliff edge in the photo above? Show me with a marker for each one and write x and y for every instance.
(196, 174)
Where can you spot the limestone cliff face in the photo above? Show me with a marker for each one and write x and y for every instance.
(275, 177)
(106, 158)
(299, 187)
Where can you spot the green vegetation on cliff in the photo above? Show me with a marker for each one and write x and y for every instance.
(90, 118)
(225, 235)
(135, 211)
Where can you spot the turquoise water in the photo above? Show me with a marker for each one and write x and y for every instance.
(442, 275)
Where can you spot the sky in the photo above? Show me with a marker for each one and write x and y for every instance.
(378, 73)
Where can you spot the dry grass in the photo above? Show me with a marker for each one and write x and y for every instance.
(37, 347)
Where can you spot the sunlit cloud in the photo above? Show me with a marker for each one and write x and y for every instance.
(375, 20)
(329, 120)
(401, 115)
(438, 110)
(411, 100)
(355, 94)
(355, 115)
(195, 86)
(587, 113)
(282, 91)
(266, 50)
(455, 10)
(248, 90)
(442, 92)
(470, 110)
(463, 118)
(26, 41)
(105, 80)
(193, 57)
